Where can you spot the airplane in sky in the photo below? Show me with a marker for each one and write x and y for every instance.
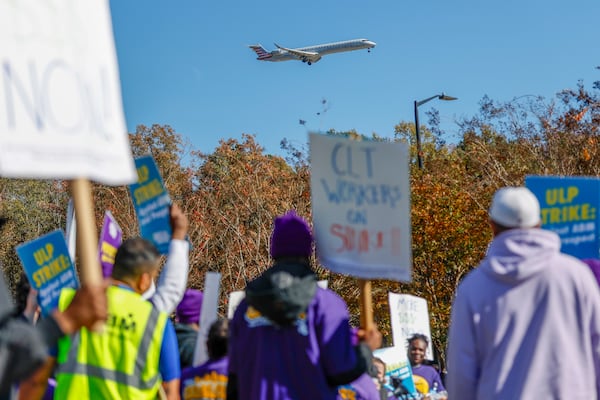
(310, 54)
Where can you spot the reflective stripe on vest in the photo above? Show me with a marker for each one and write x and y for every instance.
(72, 366)
(139, 377)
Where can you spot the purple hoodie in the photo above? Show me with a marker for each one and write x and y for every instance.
(291, 362)
(525, 324)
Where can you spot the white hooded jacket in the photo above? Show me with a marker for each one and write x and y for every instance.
(525, 324)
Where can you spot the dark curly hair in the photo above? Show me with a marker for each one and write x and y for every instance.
(418, 336)
(218, 335)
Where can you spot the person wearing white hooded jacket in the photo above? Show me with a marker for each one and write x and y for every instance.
(526, 322)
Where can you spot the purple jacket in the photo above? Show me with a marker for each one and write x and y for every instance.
(525, 324)
(291, 362)
(427, 379)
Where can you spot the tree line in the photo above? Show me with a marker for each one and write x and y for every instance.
(232, 194)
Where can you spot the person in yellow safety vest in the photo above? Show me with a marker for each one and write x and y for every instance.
(137, 348)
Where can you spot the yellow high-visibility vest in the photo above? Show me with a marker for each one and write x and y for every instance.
(121, 362)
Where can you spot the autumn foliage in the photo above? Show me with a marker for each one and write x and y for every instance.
(232, 194)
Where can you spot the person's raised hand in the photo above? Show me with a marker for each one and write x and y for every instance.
(31, 306)
(179, 222)
(88, 307)
(371, 337)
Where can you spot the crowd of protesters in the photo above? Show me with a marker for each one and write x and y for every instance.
(525, 324)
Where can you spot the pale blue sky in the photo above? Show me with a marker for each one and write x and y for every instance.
(186, 63)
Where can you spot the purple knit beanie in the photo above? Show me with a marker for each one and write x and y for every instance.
(291, 237)
(188, 311)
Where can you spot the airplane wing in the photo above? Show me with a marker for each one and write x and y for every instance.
(302, 55)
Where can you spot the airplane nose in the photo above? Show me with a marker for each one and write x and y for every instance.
(371, 44)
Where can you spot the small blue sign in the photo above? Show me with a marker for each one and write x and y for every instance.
(569, 207)
(49, 268)
(152, 203)
(398, 372)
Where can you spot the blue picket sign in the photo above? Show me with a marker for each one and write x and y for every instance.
(569, 207)
(48, 267)
(152, 203)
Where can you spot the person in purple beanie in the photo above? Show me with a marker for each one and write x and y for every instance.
(209, 380)
(290, 339)
(187, 325)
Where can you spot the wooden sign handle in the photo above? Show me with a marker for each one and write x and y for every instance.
(87, 243)
(366, 304)
(162, 395)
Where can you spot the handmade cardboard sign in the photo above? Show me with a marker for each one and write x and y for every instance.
(361, 207)
(409, 315)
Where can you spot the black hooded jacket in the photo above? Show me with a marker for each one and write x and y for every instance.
(283, 291)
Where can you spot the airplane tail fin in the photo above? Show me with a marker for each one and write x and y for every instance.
(261, 52)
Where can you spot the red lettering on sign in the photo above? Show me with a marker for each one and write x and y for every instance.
(365, 240)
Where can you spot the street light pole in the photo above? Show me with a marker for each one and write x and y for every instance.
(417, 129)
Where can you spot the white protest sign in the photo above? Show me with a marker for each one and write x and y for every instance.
(235, 298)
(409, 315)
(61, 114)
(324, 284)
(208, 314)
(361, 207)
(71, 229)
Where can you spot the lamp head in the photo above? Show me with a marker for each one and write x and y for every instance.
(446, 97)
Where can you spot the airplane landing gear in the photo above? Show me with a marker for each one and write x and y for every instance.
(309, 63)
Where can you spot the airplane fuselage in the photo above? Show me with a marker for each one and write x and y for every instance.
(314, 53)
